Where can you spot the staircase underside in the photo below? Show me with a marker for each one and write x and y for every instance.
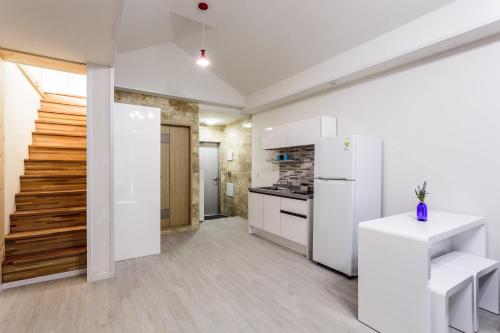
(48, 229)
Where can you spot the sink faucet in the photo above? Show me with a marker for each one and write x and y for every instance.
(288, 182)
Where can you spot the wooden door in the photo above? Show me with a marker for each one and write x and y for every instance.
(165, 177)
(180, 176)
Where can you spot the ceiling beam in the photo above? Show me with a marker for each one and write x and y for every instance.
(42, 61)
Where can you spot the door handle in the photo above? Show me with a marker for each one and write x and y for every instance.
(293, 214)
(215, 179)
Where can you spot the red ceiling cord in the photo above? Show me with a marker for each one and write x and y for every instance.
(203, 59)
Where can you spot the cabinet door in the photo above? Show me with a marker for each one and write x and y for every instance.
(272, 214)
(309, 131)
(294, 228)
(295, 206)
(274, 137)
(303, 132)
(256, 210)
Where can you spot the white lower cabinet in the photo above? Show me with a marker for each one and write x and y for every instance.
(272, 214)
(294, 228)
(288, 218)
(256, 210)
(295, 206)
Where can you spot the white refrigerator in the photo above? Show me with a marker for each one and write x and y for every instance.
(347, 191)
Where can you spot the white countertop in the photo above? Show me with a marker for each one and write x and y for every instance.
(439, 225)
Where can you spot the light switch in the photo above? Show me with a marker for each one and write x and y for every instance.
(229, 155)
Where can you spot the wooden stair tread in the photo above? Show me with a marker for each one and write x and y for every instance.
(51, 211)
(50, 176)
(65, 177)
(56, 147)
(43, 232)
(53, 254)
(66, 111)
(54, 160)
(58, 122)
(65, 94)
(64, 99)
(81, 115)
(58, 192)
(45, 132)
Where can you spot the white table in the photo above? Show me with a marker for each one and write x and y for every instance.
(394, 265)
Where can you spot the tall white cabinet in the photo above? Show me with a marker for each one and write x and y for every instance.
(136, 182)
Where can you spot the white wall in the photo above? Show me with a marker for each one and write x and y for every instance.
(60, 82)
(100, 90)
(21, 104)
(455, 24)
(439, 120)
(2, 138)
(167, 70)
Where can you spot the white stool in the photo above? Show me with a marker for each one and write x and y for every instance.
(451, 299)
(485, 273)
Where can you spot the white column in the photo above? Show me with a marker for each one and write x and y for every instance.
(100, 98)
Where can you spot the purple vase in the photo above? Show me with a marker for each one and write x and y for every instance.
(422, 212)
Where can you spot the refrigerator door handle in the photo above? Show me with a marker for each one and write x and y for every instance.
(344, 179)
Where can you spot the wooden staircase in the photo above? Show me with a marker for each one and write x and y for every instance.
(48, 229)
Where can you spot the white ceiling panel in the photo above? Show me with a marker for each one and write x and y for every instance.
(75, 30)
(253, 44)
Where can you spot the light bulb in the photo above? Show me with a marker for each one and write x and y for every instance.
(210, 122)
(203, 60)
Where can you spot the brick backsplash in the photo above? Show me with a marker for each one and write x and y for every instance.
(301, 171)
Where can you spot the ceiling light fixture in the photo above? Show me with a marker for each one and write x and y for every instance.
(203, 60)
(210, 122)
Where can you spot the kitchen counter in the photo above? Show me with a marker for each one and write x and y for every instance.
(282, 216)
(282, 192)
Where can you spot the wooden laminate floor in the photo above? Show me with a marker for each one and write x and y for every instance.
(219, 279)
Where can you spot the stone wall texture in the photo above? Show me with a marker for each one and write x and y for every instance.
(233, 137)
(174, 112)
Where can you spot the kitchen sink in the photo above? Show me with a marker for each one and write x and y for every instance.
(273, 188)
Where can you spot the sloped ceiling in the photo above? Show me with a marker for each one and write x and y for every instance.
(75, 30)
(253, 44)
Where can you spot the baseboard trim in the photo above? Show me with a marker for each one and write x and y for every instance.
(41, 279)
(302, 249)
(180, 229)
(101, 276)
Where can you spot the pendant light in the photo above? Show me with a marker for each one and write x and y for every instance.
(203, 60)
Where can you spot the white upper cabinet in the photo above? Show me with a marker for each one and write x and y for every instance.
(274, 137)
(308, 131)
(299, 133)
